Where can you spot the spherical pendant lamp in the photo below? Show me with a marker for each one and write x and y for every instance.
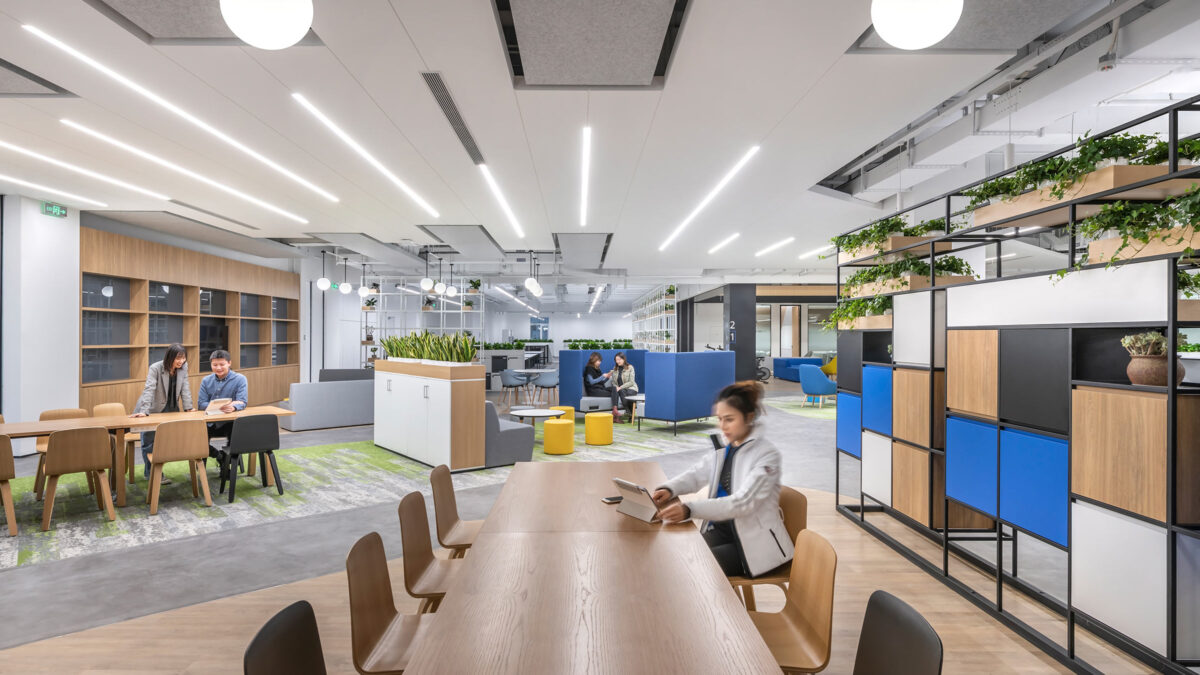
(915, 24)
(268, 24)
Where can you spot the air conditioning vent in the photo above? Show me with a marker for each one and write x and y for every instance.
(441, 94)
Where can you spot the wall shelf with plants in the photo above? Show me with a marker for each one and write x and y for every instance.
(906, 273)
(654, 319)
(396, 306)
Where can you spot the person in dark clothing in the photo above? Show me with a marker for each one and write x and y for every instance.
(595, 382)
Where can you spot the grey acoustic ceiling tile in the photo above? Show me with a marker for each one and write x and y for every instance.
(999, 24)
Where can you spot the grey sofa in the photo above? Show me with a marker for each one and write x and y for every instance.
(505, 442)
(345, 374)
(594, 403)
(321, 405)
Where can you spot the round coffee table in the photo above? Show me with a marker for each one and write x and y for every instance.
(636, 399)
(535, 414)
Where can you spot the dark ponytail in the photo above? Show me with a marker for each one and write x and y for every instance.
(745, 397)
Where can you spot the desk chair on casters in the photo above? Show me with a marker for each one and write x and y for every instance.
(288, 642)
(453, 533)
(253, 434)
(382, 639)
(794, 506)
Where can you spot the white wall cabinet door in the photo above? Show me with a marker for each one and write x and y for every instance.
(912, 331)
(388, 425)
(413, 410)
(437, 421)
(877, 467)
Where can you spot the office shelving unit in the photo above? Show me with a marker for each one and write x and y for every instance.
(654, 324)
(998, 411)
(400, 312)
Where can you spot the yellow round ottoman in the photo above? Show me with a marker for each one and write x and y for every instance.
(558, 437)
(568, 412)
(598, 428)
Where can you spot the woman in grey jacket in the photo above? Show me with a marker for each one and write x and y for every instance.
(743, 528)
(167, 390)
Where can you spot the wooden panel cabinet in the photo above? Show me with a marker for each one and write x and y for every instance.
(910, 481)
(972, 371)
(910, 407)
(431, 413)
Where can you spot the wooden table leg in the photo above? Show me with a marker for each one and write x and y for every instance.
(119, 466)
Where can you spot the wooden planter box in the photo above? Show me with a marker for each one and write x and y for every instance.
(882, 321)
(893, 242)
(1188, 310)
(906, 283)
(1102, 250)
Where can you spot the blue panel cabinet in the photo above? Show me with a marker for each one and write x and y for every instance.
(971, 463)
(877, 399)
(1034, 483)
(849, 424)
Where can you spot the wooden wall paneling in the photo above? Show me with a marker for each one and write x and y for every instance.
(293, 331)
(139, 329)
(264, 306)
(1119, 449)
(191, 332)
(960, 516)
(235, 341)
(796, 342)
(972, 371)
(293, 355)
(125, 393)
(910, 406)
(1187, 460)
(910, 482)
(139, 363)
(191, 299)
(467, 425)
(139, 295)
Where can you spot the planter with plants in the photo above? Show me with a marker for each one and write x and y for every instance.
(887, 235)
(428, 305)
(369, 304)
(1189, 356)
(473, 285)
(468, 305)
(426, 347)
(862, 314)
(670, 291)
(1148, 358)
(908, 273)
(1124, 230)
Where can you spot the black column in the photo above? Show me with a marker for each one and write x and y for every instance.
(685, 318)
(739, 327)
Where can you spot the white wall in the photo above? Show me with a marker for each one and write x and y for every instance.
(709, 324)
(563, 326)
(41, 299)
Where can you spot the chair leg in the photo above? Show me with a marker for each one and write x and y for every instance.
(106, 495)
(10, 515)
(252, 465)
(92, 477)
(275, 471)
(155, 487)
(39, 479)
(204, 484)
(129, 454)
(91, 482)
(192, 471)
(48, 498)
(425, 605)
(233, 474)
(748, 594)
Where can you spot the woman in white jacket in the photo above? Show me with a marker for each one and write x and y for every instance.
(743, 525)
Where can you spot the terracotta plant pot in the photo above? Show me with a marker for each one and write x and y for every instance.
(1152, 370)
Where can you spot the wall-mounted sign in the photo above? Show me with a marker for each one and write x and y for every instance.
(52, 209)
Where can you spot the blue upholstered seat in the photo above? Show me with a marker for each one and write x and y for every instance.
(784, 368)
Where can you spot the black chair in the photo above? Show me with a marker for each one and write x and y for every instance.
(896, 640)
(251, 434)
(288, 643)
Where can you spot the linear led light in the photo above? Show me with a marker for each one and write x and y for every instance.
(1006, 255)
(80, 170)
(586, 170)
(177, 110)
(53, 191)
(187, 172)
(721, 244)
(515, 299)
(816, 251)
(596, 297)
(362, 152)
(626, 316)
(512, 217)
(453, 302)
(710, 196)
(776, 245)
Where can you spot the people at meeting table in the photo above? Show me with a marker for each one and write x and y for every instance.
(622, 385)
(167, 390)
(743, 526)
(222, 383)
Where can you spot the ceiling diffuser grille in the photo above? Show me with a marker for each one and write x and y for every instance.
(442, 95)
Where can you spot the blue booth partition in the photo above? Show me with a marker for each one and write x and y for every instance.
(785, 368)
(1034, 483)
(571, 363)
(877, 399)
(971, 463)
(684, 385)
(849, 424)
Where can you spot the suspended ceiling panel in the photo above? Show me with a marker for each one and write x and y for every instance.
(590, 42)
(187, 228)
(376, 251)
(17, 82)
(471, 241)
(1007, 25)
(582, 251)
(174, 21)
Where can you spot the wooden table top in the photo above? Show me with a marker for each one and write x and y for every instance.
(558, 582)
(113, 422)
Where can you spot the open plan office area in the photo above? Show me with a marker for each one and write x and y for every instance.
(578, 336)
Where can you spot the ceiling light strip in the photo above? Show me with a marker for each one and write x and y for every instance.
(80, 170)
(515, 299)
(50, 190)
(777, 245)
(596, 297)
(187, 172)
(711, 195)
(815, 251)
(721, 244)
(512, 217)
(229, 140)
(585, 174)
(362, 152)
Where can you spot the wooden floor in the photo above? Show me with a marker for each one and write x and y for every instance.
(211, 637)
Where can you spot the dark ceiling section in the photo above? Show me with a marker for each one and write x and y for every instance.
(16, 82)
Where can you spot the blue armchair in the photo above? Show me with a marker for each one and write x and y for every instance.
(815, 384)
(785, 368)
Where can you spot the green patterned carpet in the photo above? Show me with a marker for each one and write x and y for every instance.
(799, 405)
(316, 479)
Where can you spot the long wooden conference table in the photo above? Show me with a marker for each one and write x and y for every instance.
(558, 582)
(119, 424)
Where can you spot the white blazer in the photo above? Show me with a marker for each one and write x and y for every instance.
(753, 506)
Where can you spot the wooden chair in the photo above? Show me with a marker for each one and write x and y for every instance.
(86, 450)
(179, 441)
(288, 642)
(8, 471)
(43, 442)
(132, 438)
(381, 639)
(794, 505)
(896, 640)
(800, 635)
(453, 534)
(425, 575)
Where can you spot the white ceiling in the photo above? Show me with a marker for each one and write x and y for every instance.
(769, 72)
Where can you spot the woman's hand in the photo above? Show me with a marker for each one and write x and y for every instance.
(675, 513)
(138, 415)
(661, 496)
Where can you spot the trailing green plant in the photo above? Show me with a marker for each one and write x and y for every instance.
(468, 303)
(1194, 347)
(1152, 343)
(671, 290)
(851, 309)
(875, 236)
(1172, 221)
(1159, 152)
(912, 265)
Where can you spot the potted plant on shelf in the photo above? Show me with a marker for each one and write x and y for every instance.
(474, 285)
(1122, 230)
(428, 305)
(1148, 358)
(861, 314)
(468, 305)
(670, 291)
(369, 304)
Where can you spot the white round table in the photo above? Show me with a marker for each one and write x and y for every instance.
(534, 414)
(636, 398)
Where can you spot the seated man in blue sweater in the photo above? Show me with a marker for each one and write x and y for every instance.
(222, 383)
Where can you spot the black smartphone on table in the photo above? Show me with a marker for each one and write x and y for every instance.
(612, 500)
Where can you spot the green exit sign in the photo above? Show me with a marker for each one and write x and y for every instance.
(52, 209)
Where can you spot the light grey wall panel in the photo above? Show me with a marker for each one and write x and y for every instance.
(877, 467)
(911, 328)
(1187, 589)
(1119, 572)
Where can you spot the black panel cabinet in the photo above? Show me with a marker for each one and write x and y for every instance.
(1035, 372)
(849, 355)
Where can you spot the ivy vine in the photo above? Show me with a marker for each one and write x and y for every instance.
(943, 266)
(849, 310)
(875, 236)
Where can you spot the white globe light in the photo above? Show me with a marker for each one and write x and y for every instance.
(426, 284)
(451, 291)
(439, 288)
(363, 291)
(915, 24)
(345, 287)
(530, 284)
(323, 284)
(107, 291)
(537, 291)
(268, 24)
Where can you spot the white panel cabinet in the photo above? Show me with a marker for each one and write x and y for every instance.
(1187, 589)
(1119, 572)
(912, 330)
(877, 467)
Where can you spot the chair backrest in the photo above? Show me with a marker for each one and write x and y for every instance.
(896, 640)
(831, 367)
(445, 506)
(1, 419)
(8, 469)
(414, 537)
(371, 605)
(547, 379)
(794, 505)
(180, 440)
(62, 414)
(253, 433)
(810, 588)
(813, 381)
(76, 450)
(491, 421)
(108, 410)
(509, 378)
(288, 642)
